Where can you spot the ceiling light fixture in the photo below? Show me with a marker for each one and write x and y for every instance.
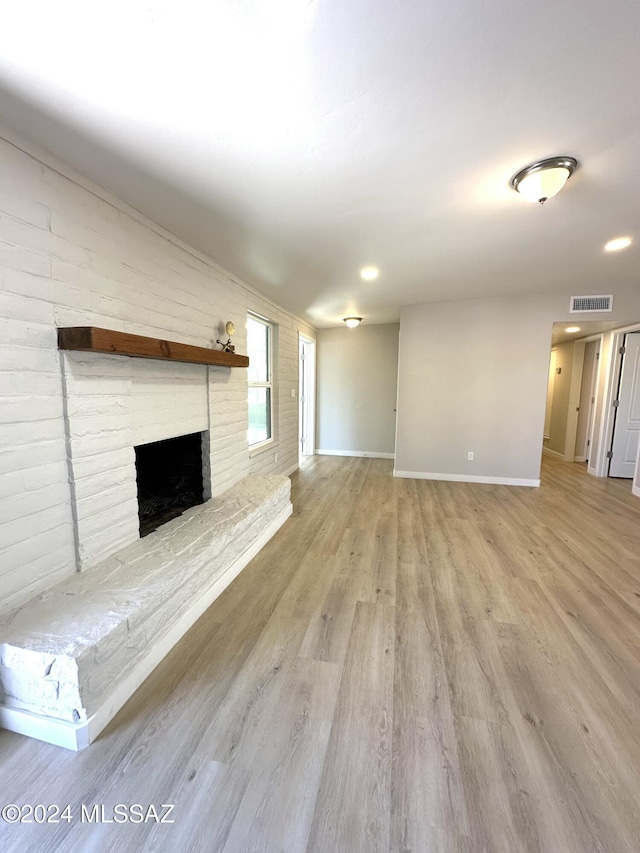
(369, 273)
(544, 179)
(617, 244)
(352, 322)
(572, 329)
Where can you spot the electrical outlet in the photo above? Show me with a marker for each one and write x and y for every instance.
(470, 456)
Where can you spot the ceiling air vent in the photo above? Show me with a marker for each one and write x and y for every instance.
(584, 304)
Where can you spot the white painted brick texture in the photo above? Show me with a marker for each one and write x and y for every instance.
(71, 254)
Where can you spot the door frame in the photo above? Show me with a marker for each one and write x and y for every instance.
(306, 381)
(607, 416)
(551, 379)
(575, 389)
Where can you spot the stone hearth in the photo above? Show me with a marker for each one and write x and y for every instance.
(73, 655)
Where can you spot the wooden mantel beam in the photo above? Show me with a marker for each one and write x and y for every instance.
(92, 339)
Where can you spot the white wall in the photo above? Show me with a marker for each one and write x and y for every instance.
(71, 254)
(473, 377)
(357, 389)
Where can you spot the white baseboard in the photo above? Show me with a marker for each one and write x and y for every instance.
(77, 736)
(579, 458)
(465, 478)
(553, 453)
(372, 454)
(291, 470)
(635, 490)
(73, 736)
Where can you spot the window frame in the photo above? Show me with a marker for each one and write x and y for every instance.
(269, 384)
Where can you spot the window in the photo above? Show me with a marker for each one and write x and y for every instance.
(259, 347)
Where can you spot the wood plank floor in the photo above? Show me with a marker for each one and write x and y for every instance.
(407, 666)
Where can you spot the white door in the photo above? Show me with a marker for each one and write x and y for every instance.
(624, 449)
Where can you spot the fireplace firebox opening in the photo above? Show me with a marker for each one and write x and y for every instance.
(170, 480)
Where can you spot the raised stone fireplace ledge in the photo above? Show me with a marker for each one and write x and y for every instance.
(72, 656)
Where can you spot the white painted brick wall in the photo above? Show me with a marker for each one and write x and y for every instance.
(71, 254)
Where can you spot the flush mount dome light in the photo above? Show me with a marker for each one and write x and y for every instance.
(544, 179)
(572, 329)
(352, 322)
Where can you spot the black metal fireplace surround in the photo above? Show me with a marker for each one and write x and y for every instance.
(169, 476)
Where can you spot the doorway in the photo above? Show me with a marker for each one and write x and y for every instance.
(576, 386)
(571, 399)
(307, 396)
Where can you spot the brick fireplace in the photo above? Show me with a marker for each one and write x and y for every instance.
(114, 405)
(139, 437)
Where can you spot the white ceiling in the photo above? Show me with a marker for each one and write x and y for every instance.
(591, 327)
(297, 141)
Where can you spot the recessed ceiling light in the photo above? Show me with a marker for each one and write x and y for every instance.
(352, 322)
(369, 273)
(544, 179)
(572, 329)
(617, 244)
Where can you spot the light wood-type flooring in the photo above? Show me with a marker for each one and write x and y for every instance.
(407, 666)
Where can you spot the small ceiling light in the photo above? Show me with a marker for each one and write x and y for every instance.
(617, 244)
(352, 322)
(544, 179)
(369, 273)
(572, 329)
